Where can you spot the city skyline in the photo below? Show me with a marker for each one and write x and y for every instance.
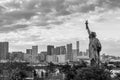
(25, 23)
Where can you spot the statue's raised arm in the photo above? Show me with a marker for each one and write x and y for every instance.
(87, 27)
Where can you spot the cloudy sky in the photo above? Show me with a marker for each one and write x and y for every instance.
(41, 22)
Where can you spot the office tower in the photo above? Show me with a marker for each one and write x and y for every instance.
(77, 46)
(33, 57)
(54, 51)
(34, 50)
(62, 50)
(57, 50)
(50, 49)
(4, 48)
(69, 52)
(28, 51)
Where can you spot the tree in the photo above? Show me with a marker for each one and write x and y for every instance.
(51, 67)
(15, 70)
(18, 74)
(92, 73)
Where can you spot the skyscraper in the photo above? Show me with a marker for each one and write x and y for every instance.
(57, 50)
(4, 48)
(50, 49)
(77, 46)
(69, 52)
(62, 50)
(34, 50)
(34, 54)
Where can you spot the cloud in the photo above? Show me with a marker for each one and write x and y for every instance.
(110, 47)
(28, 22)
(27, 35)
(12, 28)
(1, 8)
(27, 9)
(109, 3)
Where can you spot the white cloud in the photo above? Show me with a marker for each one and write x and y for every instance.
(29, 22)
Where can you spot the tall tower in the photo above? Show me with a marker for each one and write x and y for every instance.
(34, 54)
(57, 50)
(50, 50)
(4, 48)
(34, 50)
(77, 46)
(69, 52)
(62, 50)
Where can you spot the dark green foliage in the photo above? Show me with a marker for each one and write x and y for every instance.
(13, 65)
(15, 70)
(82, 72)
(51, 67)
(89, 73)
(75, 71)
(18, 74)
(92, 73)
(65, 68)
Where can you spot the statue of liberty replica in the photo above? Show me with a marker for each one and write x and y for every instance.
(94, 47)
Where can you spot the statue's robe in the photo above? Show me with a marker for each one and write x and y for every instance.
(94, 51)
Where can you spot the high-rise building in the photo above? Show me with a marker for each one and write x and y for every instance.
(50, 50)
(34, 50)
(62, 50)
(57, 50)
(34, 54)
(4, 49)
(69, 52)
(77, 46)
(54, 51)
(28, 51)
